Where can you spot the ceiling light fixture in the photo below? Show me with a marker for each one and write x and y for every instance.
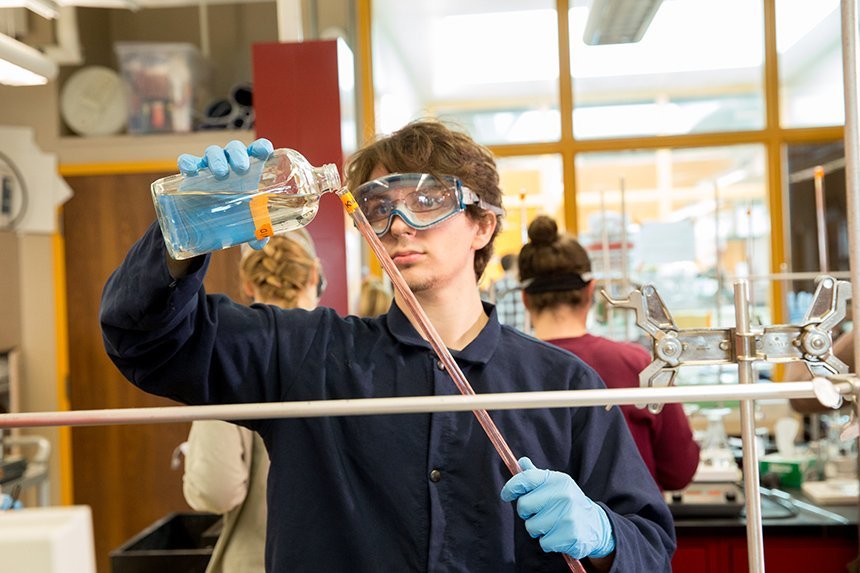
(44, 8)
(21, 65)
(121, 4)
(618, 21)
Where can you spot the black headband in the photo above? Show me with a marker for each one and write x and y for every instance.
(572, 281)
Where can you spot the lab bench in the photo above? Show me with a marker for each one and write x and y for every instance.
(794, 540)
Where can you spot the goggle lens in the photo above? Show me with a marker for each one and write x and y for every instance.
(421, 200)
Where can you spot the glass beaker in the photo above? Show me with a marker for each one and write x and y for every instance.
(201, 213)
(715, 450)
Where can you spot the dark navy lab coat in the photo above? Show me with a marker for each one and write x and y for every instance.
(405, 492)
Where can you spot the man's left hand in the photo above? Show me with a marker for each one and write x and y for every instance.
(557, 512)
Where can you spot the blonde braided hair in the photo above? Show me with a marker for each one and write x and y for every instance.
(278, 272)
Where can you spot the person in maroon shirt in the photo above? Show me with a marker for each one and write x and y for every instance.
(558, 293)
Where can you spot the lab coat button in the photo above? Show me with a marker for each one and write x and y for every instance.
(435, 476)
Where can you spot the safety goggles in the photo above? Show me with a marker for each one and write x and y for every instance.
(420, 199)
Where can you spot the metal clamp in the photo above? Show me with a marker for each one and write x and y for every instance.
(810, 343)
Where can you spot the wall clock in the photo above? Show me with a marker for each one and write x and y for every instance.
(92, 102)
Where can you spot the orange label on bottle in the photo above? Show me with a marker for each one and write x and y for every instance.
(349, 202)
(259, 206)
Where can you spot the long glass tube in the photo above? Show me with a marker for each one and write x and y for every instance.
(429, 331)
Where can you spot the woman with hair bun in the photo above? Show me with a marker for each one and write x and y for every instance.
(555, 272)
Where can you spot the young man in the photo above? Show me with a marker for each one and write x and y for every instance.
(409, 492)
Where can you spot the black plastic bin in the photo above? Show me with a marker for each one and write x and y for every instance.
(177, 543)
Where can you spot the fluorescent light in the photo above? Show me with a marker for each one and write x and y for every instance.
(680, 39)
(122, 4)
(44, 8)
(13, 75)
(21, 65)
(618, 21)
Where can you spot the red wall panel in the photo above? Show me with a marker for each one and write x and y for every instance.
(297, 105)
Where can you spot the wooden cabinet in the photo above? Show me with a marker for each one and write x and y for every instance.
(121, 471)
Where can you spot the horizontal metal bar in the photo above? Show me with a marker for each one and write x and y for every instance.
(417, 404)
(776, 277)
(798, 275)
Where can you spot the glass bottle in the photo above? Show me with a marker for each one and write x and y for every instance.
(201, 213)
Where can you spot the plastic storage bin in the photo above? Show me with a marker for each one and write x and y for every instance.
(178, 542)
(163, 83)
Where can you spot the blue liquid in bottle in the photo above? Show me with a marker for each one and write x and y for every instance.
(201, 214)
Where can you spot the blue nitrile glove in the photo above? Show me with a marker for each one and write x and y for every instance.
(232, 226)
(557, 512)
(220, 160)
(6, 502)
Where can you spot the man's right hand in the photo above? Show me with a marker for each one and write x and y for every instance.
(220, 160)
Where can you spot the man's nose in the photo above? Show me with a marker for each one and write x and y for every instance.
(399, 226)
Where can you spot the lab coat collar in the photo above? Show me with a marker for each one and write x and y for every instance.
(479, 351)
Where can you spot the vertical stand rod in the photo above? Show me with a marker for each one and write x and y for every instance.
(524, 238)
(852, 148)
(820, 219)
(604, 255)
(625, 262)
(718, 298)
(746, 356)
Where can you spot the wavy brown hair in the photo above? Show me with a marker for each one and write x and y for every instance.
(428, 146)
(547, 254)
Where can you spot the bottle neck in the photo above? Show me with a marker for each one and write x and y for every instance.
(328, 179)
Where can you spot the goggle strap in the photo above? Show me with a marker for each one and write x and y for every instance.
(472, 198)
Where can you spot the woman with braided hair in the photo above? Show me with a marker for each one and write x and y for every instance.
(226, 466)
(285, 273)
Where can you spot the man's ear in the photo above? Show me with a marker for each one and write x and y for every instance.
(486, 226)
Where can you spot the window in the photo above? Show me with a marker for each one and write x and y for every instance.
(692, 220)
(532, 186)
(809, 44)
(490, 67)
(695, 218)
(812, 249)
(686, 75)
